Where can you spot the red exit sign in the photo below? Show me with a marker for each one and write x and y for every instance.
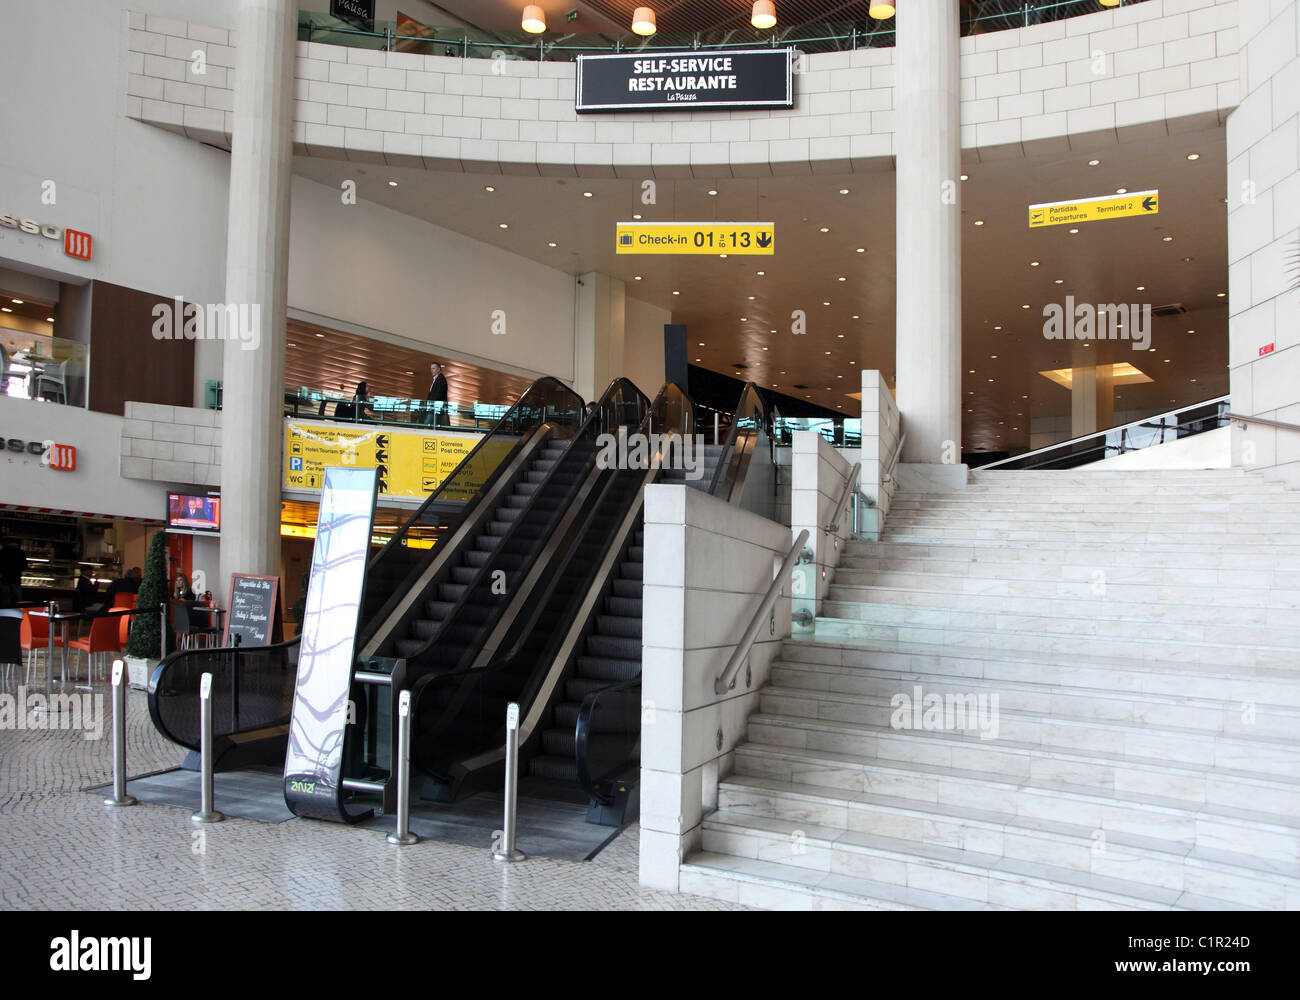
(1266, 349)
(63, 457)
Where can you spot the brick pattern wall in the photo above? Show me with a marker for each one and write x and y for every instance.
(172, 444)
(1157, 66)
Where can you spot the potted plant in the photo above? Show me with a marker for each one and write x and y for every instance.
(143, 644)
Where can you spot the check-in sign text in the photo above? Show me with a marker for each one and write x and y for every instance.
(753, 238)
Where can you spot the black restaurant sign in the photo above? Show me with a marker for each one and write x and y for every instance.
(683, 81)
(358, 12)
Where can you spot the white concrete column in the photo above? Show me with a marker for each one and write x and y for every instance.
(257, 275)
(601, 327)
(928, 145)
(1092, 400)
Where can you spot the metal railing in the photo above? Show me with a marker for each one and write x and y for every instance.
(888, 476)
(727, 679)
(850, 484)
(1244, 420)
(560, 46)
(1123, 438)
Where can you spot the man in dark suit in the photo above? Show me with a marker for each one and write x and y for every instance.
(436, 416)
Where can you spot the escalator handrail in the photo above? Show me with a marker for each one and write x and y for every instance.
(583, 729)
(727, 473)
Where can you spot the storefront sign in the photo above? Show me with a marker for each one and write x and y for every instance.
(358, 12)
(75, 244)
(681, 81)
(1061, 213)
(751, 238)
(62, 457)
(409, 463)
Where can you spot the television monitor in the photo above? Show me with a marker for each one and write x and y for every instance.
(193, 512)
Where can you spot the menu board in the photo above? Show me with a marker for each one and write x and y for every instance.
(254, 615)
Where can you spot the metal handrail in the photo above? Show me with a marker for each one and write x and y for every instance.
(850, 481)
(727, 679)
(1260, 420)
(888, 477)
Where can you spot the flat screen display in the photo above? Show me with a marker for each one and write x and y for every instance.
(193, 512)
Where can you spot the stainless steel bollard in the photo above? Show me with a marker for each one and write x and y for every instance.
(206, 813)
(715, 429)
(162, 631)
(507, 852)
(49, 656)
(120, 798)
(403, 835)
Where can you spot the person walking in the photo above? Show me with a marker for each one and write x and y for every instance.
(435, 414)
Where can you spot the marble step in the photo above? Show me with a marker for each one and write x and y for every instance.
(985, 862)
(842, 597)
(1232, 775)
(1178, 710)
(970, 530)
(1230, 645)
(1245, 684)
(1095, 502)
(1157, 867)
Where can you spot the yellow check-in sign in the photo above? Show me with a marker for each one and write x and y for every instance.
(752, 238)
(1062, 213)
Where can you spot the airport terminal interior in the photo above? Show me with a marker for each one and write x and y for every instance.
(675, 455)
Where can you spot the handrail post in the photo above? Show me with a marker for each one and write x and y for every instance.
(49, 656)
(120, 798)
(206, 813)
(162, 631)
(403, 836)
(507, 851)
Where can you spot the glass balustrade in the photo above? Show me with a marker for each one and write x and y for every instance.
(42, 367)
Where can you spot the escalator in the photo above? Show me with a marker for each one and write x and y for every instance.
(574, 663)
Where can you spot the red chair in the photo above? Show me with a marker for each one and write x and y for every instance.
(34, 635)
(103, 638)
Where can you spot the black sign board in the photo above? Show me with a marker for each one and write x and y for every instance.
(254, 615)
(358, 12)
(682, 81)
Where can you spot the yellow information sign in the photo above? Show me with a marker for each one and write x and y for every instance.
(409, 463)
(1062, 213)
(751, 238)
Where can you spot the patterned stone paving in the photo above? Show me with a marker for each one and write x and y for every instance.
(64, 850)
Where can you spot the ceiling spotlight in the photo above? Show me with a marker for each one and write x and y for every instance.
(712, 192)
(49, 319)
(843, 279)
(552, 244)
(763, 15)
(5, 309)
(760, 273)
(1168, 239)
(979, 222)
(1033, 263)
(881, 10)
(844, 190)
(643, 21)
(586, 194)
(636, 277)
(504, 225)
(489, 188)
(1074, 232)
(1141, 288)
(637, 216)
(1093, 163)
(825, 229)
(1222, 295)
(534, 19)
(676, 292)
(1121, 190)
(1193, 156)
(965, 177)
(392, 184)
(16, 302)
(862, 249)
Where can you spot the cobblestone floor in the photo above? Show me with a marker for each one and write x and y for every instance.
(62, 849)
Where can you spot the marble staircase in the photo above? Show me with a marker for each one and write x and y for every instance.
(1119, 657)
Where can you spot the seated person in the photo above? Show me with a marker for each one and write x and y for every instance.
(128, 584)
(182, 591)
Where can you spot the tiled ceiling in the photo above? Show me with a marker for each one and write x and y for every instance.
(332, 360)
(731, 310)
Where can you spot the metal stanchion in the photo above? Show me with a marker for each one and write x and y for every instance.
(403, 835)
(49, 656)
(507, 852)
(715, 429)
(120, 798)
(162, 632)
(206, 813)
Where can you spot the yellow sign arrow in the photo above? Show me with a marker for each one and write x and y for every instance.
(1061, 213)
(751, 238)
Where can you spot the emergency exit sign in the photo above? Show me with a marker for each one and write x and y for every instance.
(570, 17)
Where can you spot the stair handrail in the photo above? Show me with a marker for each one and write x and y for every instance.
(850, 483)
(888, 477)
(1243, 419)
(727, 679)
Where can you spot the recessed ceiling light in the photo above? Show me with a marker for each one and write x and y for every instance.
(637, 215)
(965, 177)
(1191, 331)
(970, 371)
(723, 256)
(712, 192)
(1074, 232)
(1121, 190)
(744, 319)
(697, 359)
(676, 292)
(979, 222)
(410, 373)
(1093, 163)
(552, 244)
(16, 302)
(290, 345)
(990, 380)
(1222, 295)
(839, 336)
(636, 277)
(844, 190)
(1033, 263)
(1025, 306)
(587, 194)
(826, 229)
(1193, 156)
(1166, 361)
(997, 328)
(843, 279)
(1141, 288)
(993, 357)
(766, 348)
(1168, 239)
(760, 273)
(825, 303)
(321, 336)
(5, 309)
(700, 344)
(49, 319)
(392, 184)
(862, 250)
(751, 298)
(504, 225)
(489, 188)
(1060, 281)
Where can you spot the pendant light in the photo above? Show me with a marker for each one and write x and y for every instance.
(763, 15)
(534, 19)
(881, 10)
(643, 21)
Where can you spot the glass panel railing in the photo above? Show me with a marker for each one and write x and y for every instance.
(339, 407)
(39, 366)
(555, 46)
(1156, 430)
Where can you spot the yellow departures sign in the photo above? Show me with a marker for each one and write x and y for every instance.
(1061, 213)
(752, 238)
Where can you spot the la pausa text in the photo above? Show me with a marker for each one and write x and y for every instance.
(687, 74)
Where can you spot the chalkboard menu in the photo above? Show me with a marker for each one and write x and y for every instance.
(254, 615)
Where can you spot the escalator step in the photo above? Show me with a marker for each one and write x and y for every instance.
(607, 669)
(451, 591)
(624, 607)
(614, 646)
(618, 625)
(556, 768)
(558, 742)
(423, 629)
(476, 558)
(409, 647)
(636, 553)
(566, 714)
(438, 610)
(628, 588)
(630, 570)
(577, 688)
(461, 575)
